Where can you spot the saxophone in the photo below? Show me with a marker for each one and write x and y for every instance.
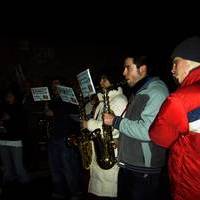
(104, 143)
(84, 140)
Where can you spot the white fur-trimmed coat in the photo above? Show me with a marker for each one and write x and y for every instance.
(104, 182)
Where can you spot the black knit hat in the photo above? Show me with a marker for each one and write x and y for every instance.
(188, 49)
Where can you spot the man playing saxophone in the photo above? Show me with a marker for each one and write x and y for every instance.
(103, 182)
(141, 162)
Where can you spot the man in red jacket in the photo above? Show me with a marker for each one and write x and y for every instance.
(177, 126)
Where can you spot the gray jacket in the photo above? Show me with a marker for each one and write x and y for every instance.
(136, 151)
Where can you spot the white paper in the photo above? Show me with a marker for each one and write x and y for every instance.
(67, 94)
(86, 84)
(40, 94)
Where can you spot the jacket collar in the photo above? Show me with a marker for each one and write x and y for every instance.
(192, 77)
(143, 83)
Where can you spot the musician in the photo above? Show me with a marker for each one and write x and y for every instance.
(103, 183)
(177, 125)
(13, 130)
(64, 161)
(140, 160)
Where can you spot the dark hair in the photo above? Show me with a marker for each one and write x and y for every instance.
(59, 78)
(109, 73)
(142, 60)
(15, 93)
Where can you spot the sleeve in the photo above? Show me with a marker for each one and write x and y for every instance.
(139, 128)
(169, 123)
(118, 107)
(94, 124)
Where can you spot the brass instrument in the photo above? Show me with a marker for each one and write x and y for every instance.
(84, 140)
(104, 144)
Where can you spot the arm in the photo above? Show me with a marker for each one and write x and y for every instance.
(117, 105)
(138, 128)
(170, 123)
(94, 123)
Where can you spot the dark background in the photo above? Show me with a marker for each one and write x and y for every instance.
(66, 40)
(48, 49)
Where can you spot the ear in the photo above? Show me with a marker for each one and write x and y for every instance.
(143, 69)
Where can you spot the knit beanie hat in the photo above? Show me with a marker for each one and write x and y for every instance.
(188, 49)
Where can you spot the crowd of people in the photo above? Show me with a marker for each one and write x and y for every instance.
(138, 139)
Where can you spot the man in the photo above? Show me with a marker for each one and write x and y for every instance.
(103, 182)
(13, 131)
(139, 159)
(65, 166)
(177, 126)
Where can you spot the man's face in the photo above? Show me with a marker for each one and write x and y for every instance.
(131, 72)
(180, 69)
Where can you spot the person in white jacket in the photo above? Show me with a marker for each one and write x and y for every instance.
(103, 183)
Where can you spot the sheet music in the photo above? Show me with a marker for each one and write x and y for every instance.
(67, 94)
(86, 84)
(40, 94)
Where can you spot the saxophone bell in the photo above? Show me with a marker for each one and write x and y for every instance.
(94, 133)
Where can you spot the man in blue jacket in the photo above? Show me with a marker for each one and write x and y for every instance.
(139, 159)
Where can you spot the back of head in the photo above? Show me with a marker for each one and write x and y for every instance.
(188, 49)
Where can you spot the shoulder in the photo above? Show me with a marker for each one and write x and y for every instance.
(120, 97)
(157, 83)
(157, 87)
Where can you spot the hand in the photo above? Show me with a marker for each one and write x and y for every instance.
(108, 119)
(84, 124)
